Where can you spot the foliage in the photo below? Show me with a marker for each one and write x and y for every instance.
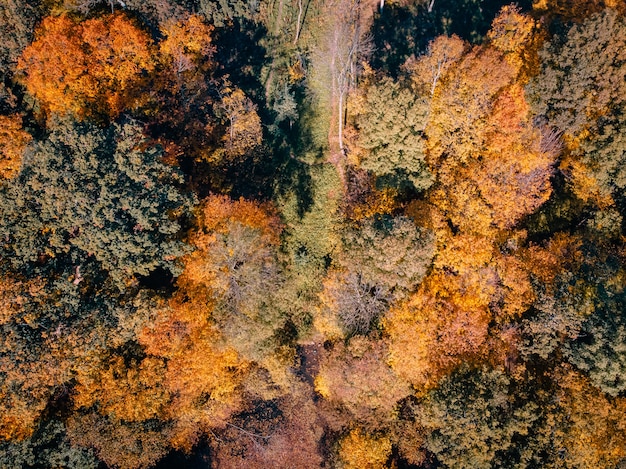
(235, 262)
(91, 68)
(427, 269)
(580, 91)
(17, 21)
(355, 380)
(472, 419)
(87, 193)
(358, 450)
(391, 129)
(13, 142)
(391, 252)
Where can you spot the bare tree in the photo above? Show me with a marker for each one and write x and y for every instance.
(85, 6)
(348, 44)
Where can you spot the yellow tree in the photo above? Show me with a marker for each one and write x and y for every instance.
(13, 141)
(243, 124)
(358, 450)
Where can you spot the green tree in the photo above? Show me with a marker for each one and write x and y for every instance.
(473, 420)
(391, 130)
(581, 92)
(582, 73)
(17, 22)
(86, 193)
(391, 252)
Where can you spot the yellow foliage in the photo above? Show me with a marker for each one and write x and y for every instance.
(187, 44)
(594, 428)
(13, 141)
(515, 35)
(244, 132)
(585, 185)
(442, 324)
(465, 253)
(130, 393)
(382, 201)
(428, 71)
(358, 450)
(296, 72)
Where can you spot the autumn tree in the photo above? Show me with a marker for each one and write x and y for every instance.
(518, 36)
(359, 386)
(243, 124)
(53, 329)
(235, 262)
(127, 445)
(86, 193)
(360, 450)
(13, 142)
(96, 67)
(440, 326)
(588, 427)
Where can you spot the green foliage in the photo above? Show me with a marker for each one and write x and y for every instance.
(581, 91)
(223, 12)
(391, 129)
(600, 350)
(473, 419)
(17, 22)
(559, 315)
(313, 225)
(94, 194)
(604, 153)
(581, 76)
(390, 252)
(48, 447)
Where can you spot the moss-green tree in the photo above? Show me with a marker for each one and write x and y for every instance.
(86, 193)
(391, 130)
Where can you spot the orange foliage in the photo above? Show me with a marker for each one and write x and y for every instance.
(96, 66)
(514, 174)
(443, 324)
(562, 252)
(187, 45)
(13, 141)
(219, 211)
(131, 392)
(217, 217)
(503, 174)
(201, 378)
(383, 201)
(519, 38)
(461, 104)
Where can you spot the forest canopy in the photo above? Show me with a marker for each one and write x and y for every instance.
(312, 234)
